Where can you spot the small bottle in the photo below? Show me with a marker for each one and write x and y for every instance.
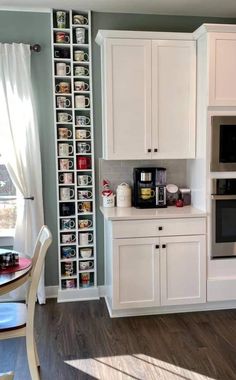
(179, 202)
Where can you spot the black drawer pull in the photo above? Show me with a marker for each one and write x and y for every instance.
(160, 228)
(149, 150)
(157, 246)
(155, 150)
(163, 246)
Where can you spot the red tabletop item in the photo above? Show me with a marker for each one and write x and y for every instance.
(23, 264)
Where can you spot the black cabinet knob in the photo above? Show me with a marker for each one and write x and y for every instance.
(149, 150)
(155, 150)
(157, 246)
(163, 246)
(160, 228)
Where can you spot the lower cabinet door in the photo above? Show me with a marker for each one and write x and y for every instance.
(135, 273)
(183, 270)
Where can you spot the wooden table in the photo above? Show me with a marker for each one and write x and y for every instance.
(11, 281)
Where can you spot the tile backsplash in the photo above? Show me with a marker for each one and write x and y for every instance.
(122, 171)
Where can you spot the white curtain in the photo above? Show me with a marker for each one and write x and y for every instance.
(19, 145)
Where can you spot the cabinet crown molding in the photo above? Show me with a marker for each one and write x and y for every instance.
(214, 28)
(102, 34)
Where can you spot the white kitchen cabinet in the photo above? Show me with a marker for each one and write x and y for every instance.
(222, 64)
(155, 262)
(183, 270)
(149, 95)
(135, 273)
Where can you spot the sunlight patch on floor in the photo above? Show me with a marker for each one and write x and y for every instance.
(136, 367)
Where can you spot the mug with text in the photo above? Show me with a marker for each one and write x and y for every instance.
(84, 180)
(81, 71)
(81, 86)
(65, 164)
(83, 147)
(64, 149)
(63, 117)
(81, 56)
(85, 194)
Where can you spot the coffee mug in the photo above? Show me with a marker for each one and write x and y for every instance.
(86, 265)
(64, 149)
(85, 194)
(82, 134)
(81, 71)
(62, 38)
(64, 117)
(64, 133)
(85, 238)
(147, 193)
(62, 69)
(85, 207)
(61, 19)
(84, 180)
(63, 102)
(67, 224)
(82, 120)
(68, 252)
(80, 20)
(80, 56)
(68, 238)
(85, 279)
(66, 193)
(82, 101)
(69, 284)
(85, 223)
(63, 87)
(81, 86)
(86, 253)
(80, 35)
(62, 53)
(67, 209)
(66, 178)
(83, 162)
(65, 164)
(68, 268)
(83, 147)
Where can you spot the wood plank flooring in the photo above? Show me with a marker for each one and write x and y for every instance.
(78, 341)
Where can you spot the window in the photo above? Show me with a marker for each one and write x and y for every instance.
(7, 199)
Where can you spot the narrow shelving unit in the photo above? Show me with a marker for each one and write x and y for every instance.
(73, 120)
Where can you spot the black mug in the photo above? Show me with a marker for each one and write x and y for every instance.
(62, 53)
(67, 209)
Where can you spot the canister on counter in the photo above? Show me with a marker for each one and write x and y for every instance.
(186, 196)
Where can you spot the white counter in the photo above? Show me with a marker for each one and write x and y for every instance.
(130, 213)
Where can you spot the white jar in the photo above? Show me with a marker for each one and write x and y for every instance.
(123, 195)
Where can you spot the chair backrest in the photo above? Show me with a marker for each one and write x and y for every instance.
(43, 242)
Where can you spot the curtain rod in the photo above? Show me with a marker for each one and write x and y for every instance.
(35, 48)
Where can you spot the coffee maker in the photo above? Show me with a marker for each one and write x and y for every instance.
(149, 187)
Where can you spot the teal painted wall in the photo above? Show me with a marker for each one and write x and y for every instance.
(35, 28)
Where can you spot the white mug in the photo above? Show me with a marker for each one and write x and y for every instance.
(85, 238)
(65, 149)
(84, 180)
(64, 117)
(80, 20)
(66, 193)
(83, 147)
(63, 102)
(85, 194)
(80, 35)
(85, 265)
(80, 56)
(82, 101)
(82, 134)
(85, 223)
(67, 223)
(81, 71)
(86, 252)
(62, 69)
(81, 86)
(66, 178)
(64, 133)
(82, 120)
(65, 164)
(68, 238)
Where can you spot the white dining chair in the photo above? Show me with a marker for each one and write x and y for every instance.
(16, 318)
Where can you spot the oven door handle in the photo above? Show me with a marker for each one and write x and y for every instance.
(218, 197)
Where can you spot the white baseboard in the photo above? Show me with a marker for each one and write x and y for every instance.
(51, 291)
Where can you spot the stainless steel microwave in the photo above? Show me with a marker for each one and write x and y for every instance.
(223, 143)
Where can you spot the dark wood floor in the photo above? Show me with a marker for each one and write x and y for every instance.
(80, 341)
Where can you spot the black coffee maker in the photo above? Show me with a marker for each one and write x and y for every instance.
(149, 187)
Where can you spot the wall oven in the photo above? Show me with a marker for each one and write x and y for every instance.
(223, 143)
(223, 218)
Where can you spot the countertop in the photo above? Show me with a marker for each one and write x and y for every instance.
(131, 213)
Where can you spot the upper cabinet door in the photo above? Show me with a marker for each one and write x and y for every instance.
(222, 69)
(173, 98)
(127, 99)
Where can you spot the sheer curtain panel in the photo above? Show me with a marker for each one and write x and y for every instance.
(19, 144)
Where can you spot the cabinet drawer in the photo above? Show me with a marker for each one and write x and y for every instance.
(159, 227)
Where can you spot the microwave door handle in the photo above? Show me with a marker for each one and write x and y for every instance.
(217, 197)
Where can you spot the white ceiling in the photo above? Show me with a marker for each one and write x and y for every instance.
(217, 8)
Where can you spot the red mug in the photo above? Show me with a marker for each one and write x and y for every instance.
(83, 162)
